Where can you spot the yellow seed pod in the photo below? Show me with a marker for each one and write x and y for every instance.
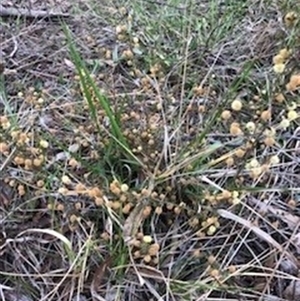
(44, 144)
(209, 221)
(274, 160)
(211, 259)
(226, 194)
(226, 114)
(136, 243)
(147, 239)
(285, 53)
(123, 198)
(271, 132)
(254, 163)
(200, 234)
(231, 269)
(128, 54)
(285, 123)
(236, 105)
(40, 183)
(170, 206)
(292, 115)
(78, 206)
(51, 206)
(115, 190)
(123, 10)
(99, 201)
(119, 29)
(135, 40)
(211, 230)
(197, 253)
(19, 160)
(60, 207)
(146, 192)
(198, 91)
(279, 68)
(240, 153)
(124, 187)
(235, 201)
(256, 172)
(229, 161)
(63, 190)
(193, 222)
(116, 205)
(126, 209)
(235, 194)
(279, 97)
(292, 203)
(147, 211)
(235, 129)
(294, 82)
(158, 210)
(278, 59)
(290, 18)
(66, 180)
(94, 192)
(250, 126)
(137, 254)
(147, 258)
(153, 249)
(73, 163)
(269, 141)
(177, 210)
(292, 106)
(73, 218)
(265, 115)
(3, 147)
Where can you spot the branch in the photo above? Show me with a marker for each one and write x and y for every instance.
(28, 13)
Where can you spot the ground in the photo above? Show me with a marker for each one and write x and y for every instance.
(149, 150)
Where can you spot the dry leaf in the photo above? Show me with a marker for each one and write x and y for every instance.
(133, 221)
(151, 273)
(79, 297)
(292, 292)
(99, 275)
(296, 242)
(74, 148)
(290, 219)
(288, 266)
(69, 64)
(6, 193)
(260, 233)
(2, 66)
(271, 298)
(263, 235)
(15, 296)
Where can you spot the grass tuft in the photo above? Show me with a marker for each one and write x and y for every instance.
(149, 151)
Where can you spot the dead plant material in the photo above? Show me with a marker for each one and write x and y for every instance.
(5, 194)
(292, 292)
(134, 221)
(259, 232)
(2, 65)
(99, 275)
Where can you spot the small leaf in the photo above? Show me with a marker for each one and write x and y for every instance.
(99, 275)
(133, 222)
(74, 148)
(69, 64)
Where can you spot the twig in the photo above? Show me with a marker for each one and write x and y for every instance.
(28, 13)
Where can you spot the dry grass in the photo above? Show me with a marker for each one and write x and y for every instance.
(150, 151)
